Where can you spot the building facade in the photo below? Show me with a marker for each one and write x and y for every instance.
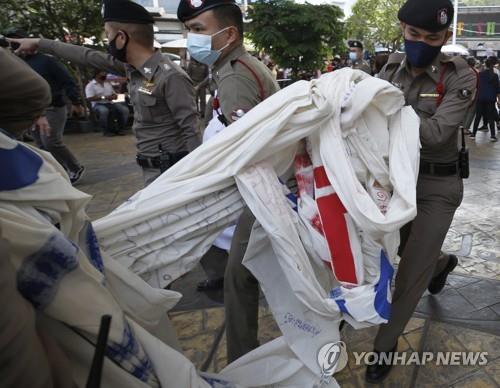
(478, 29)
(167, 27)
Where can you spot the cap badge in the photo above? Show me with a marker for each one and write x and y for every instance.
(443, 16)
(195, 3)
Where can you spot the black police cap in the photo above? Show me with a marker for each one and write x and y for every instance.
(188, 9)
(430, 15)
(125, 11)
(355, 43)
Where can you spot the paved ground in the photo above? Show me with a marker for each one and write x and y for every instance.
(465, 317)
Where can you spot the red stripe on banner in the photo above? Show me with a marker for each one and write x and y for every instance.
(320, 177)
(332, 213)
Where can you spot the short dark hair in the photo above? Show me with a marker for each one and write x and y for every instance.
(229, 15)
(98, 71)
(140, 33)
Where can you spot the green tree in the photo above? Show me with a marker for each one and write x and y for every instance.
(66, 20)
(296, 36)
(376, 22)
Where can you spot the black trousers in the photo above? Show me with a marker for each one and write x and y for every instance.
(487, 110)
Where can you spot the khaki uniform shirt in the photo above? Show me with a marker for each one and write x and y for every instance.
(25, 94)
(238, 89)
(439, 125)
(161, 93)
(362, 65)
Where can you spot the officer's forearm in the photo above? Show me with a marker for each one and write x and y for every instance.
(82, 56)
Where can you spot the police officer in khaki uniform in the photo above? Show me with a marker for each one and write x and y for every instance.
(165, 116)
(440, 89)
(356, 56)
(216, 39)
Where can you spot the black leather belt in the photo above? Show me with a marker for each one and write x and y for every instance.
(156, 162)
(146, 162)
(438, 169)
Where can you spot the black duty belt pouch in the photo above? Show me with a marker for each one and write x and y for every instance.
(463, 158)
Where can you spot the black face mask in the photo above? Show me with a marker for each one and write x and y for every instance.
(120, 54)
(421, 54)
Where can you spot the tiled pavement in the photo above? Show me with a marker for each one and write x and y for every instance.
(464, 317)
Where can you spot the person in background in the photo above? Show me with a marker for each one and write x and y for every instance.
(380, 61)
(489, 94)
(469, 117)
(101, 95)
(61, 82)
(356, 53)
(496, 70)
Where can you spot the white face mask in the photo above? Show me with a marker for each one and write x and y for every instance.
(353, 56)
(200, 47)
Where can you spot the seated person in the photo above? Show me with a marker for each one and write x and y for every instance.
(101, 95)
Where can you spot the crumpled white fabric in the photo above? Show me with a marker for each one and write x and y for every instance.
(359, 131)
(223, 241)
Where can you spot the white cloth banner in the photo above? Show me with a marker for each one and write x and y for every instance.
(358, 130)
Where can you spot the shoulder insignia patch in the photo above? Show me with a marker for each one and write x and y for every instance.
(237, 114)
(464, 93)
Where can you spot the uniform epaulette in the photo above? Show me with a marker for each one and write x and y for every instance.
(396, 58)
(226, 69)
(460, 64)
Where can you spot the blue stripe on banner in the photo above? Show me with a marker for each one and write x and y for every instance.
(342, 306)
(40, 274)
(129, 355)
(382, 288)
(20, 168)
(292, 198)
(217, 383)
(93, 249)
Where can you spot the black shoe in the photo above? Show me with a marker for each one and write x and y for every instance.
(76, 175)
(438, 282)
(109, 134)
(472, 136)
(493, 139)
(377, 372)
(210, 285)
(121, 133)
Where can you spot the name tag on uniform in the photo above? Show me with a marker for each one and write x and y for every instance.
(431, 95)
(144, 90)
